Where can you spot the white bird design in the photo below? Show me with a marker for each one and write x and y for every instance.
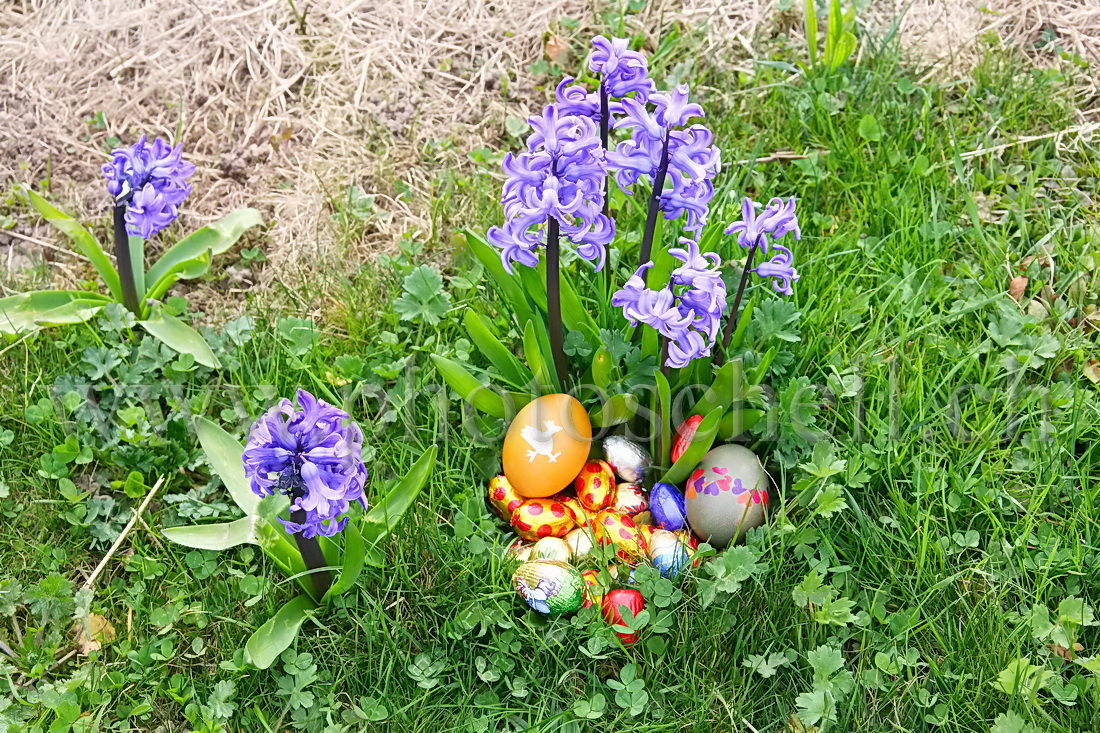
(541, 441)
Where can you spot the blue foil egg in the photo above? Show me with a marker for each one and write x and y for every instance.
(668, 507)
(668, 553)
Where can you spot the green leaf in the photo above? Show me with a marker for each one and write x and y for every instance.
(354, 559)
(540, 366)
(84, 241)
(191, 256)
(214, 536)
(384, 517)
(663, 451)
(869, 128)
(575, 314)
(424, 298)
(736, 422)
(508, 285)
(700, 444)
(177, 335)
(29, 312)
(459, 379)
(615, 411)
(813, 590)
(500, 356)
(766, 666)
(224, 454)
(278, 632)
(810, 19)
(1011, 722)
(602, 364)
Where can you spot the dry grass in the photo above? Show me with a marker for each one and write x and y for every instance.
(283, 104)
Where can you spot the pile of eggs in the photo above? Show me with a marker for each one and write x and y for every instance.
(561, 504)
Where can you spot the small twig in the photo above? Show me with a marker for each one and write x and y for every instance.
(122, 537)
(781, 155)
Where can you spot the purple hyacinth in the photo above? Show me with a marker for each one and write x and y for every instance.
(776, 220)
(314, 455)
(688, 312)
(621, 70)
(560, 177)
(151, 181)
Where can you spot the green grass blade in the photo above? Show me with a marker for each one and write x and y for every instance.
(500, 356)
(83, 239)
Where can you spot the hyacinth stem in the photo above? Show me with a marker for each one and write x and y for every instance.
(654, 206)
(125, 264)
(553, 301)
(731, 324)
(605, 126)
(313, 557)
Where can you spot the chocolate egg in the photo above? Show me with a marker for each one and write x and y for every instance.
(668, 553)
(616, 528)
(668, 508)
(726, 495)
(630, 499)
(538, 518)
(546, 445)
(612, 606)
(549, 586)
(519, 551)
(627, 459)
(595, 486)
(591, 582)
(576, 512)
(503, 498)
(580, 542)
(684, 435)
(551, 548)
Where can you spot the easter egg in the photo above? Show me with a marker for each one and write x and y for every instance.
(667, 505)
(546, 445)
(595, 486)
(627, 459)
(503, 498)
(580, 542)
(538, 518)
(726, 495)
(613, 604)
(576, 512)
(668, 553)
(592, 594)
(551, 548)
(549, 586)
(630, 499)
(684, 435)
(616, 528)
(519, 551)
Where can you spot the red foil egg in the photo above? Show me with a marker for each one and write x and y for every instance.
(612, 609)
(684, 435)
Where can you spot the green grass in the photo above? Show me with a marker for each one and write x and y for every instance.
(971, 487)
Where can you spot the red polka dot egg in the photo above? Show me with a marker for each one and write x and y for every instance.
(538, 518)
(616, 528)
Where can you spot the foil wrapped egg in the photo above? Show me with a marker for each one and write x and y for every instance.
(684, 435)
(546, 445)
(592, 596)
(668, 507)
(520, 550)
(549, 586)
(572, 505)
(668, 553)
(630, 499)
(726, 495)
(616, 528)
(595, 486)
(538, 518)
(551, 548)
(627, 459)
(580, 542)
(612, 606)
(503, 498)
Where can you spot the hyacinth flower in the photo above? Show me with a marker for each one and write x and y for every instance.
(665, 149)
(687, 312)
(312, 454)
(760, 232)
(147, 183)
(555, 188)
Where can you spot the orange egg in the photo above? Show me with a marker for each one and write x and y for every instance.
(538, 518)
(546, 445)
(616, 528)
(503, 497)
(595, 486)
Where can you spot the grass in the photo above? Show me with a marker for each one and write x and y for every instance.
(966, 432)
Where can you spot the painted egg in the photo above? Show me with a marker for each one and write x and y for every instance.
(576, 512)
(503, 498)
(550, 548)
(538, 518)
(668, 553)
(667, 504)
(520, 550)
(592, 596)
(613, 604)
(630, 499)
(580, 542)
(546, 445)
(645, 530)
(595, 486)
(684, 435)
(627, 459)
(549, 586)
(726, 495)
(616, 528)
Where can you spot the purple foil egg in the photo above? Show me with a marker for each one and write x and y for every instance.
(668, 507)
